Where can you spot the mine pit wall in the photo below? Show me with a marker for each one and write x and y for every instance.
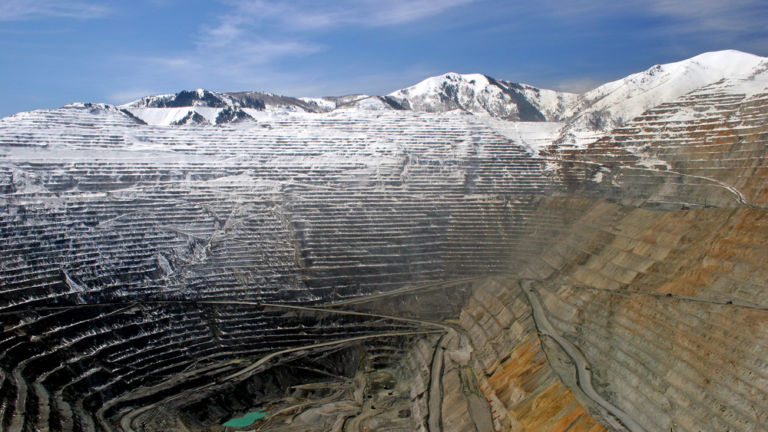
(513, 369)
(657, 276)
(706, 148)
(669, 309)
(655, 273)
(100, 209)
(417, 367)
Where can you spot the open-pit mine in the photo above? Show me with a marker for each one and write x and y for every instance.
(467, 254)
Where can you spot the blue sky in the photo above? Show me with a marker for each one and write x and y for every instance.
(53, 52)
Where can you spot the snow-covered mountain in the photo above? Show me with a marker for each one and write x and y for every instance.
(583, 118)
(483, 95)
(474, 93)
(208, 107)
(615, 103)
(211, 99)
(588, 116)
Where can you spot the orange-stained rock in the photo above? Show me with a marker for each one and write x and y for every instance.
(534, 397)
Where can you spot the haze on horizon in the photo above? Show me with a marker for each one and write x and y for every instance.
(56, 52)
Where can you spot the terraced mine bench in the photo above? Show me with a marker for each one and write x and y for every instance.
(399, 270)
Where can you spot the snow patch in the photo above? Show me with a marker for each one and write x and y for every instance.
(533, 136)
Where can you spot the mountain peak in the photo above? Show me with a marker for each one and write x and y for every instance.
(438, 82)
(728, 56)
(483, 95)
(605, 107)
(184, 98)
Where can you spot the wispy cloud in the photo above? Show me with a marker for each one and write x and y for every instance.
(710, 18)
(21, 10)
(311, 15)
(280, 45)
(253, 36)
(713, 15)
(243, 29)
(217, 59)
(244, 63)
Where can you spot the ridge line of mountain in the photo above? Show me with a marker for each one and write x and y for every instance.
(583, 117)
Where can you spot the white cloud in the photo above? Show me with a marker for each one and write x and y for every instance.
(239, 64)
(711, 18)
(250, 43)
(254, 35)
(313, 15)
(21, 10)
(715, 17)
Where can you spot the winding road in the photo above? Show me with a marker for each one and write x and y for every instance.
(254, 366)
(584, 375)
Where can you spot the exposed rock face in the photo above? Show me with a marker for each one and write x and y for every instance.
(375, 267)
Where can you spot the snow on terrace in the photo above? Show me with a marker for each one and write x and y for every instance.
(615, 103)
(330, 140)
(389, 181)
(533, 136)
(152, 143)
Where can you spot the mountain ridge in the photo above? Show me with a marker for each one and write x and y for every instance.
(584, 117)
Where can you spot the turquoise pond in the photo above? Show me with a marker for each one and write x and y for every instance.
(246, 420)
